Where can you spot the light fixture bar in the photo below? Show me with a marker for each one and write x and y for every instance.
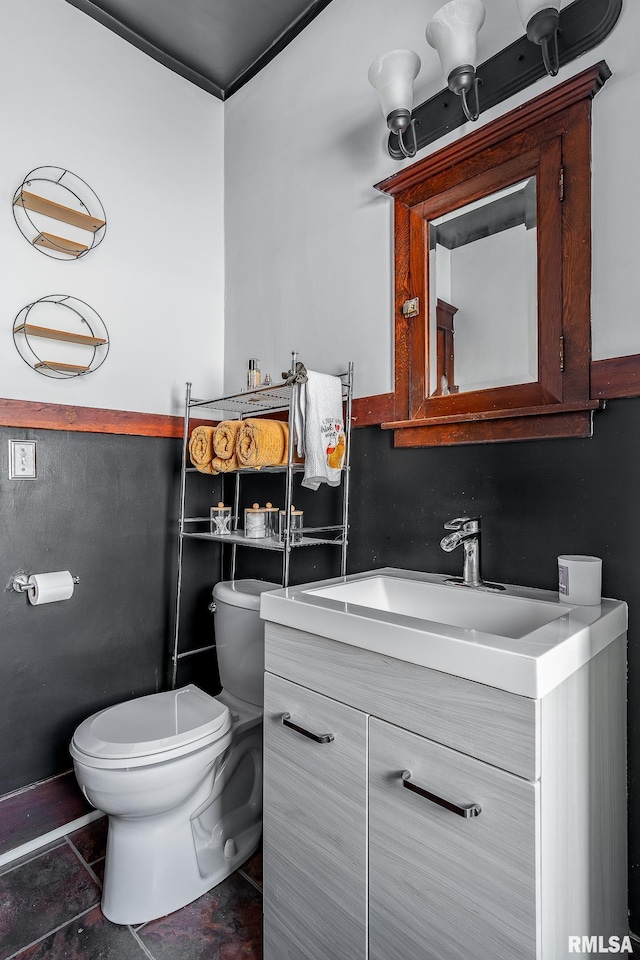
(583, 25)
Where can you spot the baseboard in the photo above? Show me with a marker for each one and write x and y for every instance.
(39, 809)
(26, 848)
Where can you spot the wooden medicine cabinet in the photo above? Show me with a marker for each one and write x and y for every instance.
(493, 268)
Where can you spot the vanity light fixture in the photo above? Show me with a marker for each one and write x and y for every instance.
(541, 20)
(453, 32)
(563, 34)
(392, 74)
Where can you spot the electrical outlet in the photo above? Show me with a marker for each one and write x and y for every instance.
(22, 459)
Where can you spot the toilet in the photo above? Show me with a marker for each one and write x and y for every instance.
(179, 773)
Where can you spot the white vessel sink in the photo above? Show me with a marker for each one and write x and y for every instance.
(519, 639)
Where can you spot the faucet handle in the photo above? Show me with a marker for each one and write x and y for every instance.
(460, 523)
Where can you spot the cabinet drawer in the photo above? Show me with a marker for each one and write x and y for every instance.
(314, 826)
(471, 882)
(475, 719)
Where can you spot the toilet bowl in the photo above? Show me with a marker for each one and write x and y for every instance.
(179, 774)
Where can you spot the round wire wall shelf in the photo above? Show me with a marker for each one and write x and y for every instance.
(50, 197)
(60, 336)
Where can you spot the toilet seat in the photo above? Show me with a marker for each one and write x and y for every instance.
(151, 729)
(244, 715)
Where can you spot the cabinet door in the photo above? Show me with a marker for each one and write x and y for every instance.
(314, 826)
(444, 886)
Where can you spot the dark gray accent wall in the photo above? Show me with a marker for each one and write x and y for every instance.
(537, 499)
(103, 507)
(106, 507)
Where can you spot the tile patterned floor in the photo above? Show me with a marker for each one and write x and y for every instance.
(49, 910)
(39, 808)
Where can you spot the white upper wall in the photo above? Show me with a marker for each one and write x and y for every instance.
(309, 246)
(308, 238)
(151, 146)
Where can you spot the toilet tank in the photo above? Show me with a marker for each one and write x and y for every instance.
(240, 637)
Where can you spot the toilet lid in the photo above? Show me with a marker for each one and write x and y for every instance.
(153, 724)
(242, 593)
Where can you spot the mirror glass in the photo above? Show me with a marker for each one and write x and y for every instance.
(483, 310)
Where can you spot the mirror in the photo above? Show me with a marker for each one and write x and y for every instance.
(492, 278)
(483, 309)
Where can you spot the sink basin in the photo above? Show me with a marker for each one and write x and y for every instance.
(520, 639)
(495, 613)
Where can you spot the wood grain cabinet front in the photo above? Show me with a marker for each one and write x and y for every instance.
(389, 833)
(453, 857)
(315, 842)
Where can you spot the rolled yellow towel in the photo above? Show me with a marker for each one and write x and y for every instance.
(201, 449)
(262, 443)
(223, 466)
(224, 444)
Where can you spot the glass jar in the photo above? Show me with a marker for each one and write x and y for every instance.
(271, 520)
(255, 522)
(295, 525)
(220, 520)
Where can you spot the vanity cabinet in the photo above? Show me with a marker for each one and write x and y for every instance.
(315, 836)
(358, 864)
(469, 881)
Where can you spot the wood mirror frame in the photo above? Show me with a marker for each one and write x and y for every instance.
(549, 137)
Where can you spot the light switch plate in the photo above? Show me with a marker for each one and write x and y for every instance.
(22, 459)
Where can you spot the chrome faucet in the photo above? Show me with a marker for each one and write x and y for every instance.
(467, 533)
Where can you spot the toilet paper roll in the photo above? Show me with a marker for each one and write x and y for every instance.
(49, 587)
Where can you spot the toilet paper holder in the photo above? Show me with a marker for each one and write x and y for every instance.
(20, 583)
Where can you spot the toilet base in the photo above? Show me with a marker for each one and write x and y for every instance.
(165, 884)
(155, 865)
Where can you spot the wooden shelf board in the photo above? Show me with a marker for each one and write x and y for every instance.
(57, 365)
(32, 330)
(51, 242)
(58, 211)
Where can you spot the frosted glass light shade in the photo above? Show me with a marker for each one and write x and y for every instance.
(453, 32)
(392, 74)
(529, 8)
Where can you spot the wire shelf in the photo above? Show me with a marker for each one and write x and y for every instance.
(260, 400)
(267, 543)
(272, 398)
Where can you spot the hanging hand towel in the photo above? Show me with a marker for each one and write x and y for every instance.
(320, 429)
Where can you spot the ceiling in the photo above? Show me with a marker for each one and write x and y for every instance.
(216, 44)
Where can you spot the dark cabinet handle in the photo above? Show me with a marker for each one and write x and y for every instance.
(317, 737)
(469, 810)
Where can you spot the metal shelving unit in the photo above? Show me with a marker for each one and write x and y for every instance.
(274, 398)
